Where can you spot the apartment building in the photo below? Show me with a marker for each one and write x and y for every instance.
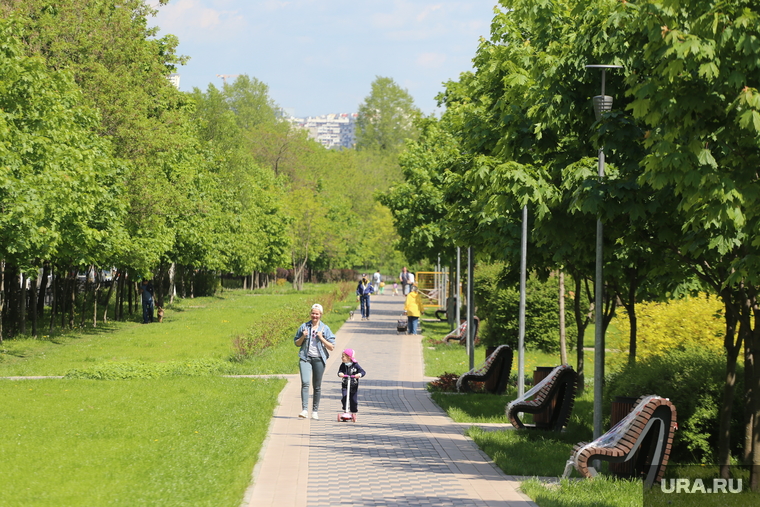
(330, 130)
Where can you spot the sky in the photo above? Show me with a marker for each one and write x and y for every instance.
(321, 57)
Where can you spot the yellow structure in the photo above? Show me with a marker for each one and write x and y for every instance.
(433, 285)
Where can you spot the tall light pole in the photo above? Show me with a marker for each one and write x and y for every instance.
(456, 286)
(602, 104)
(470, 306)
(521, 314)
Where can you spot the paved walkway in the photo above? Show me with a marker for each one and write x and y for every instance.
(403, 449)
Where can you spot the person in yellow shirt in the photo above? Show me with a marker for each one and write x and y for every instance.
(413, 309)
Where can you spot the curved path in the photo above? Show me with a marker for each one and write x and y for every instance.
(403, 450)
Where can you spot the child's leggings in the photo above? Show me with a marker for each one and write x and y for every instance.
(353, 400)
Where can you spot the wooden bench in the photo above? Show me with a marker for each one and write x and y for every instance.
(648, 429)
(460, 333)
(550, 401)
(494, 372)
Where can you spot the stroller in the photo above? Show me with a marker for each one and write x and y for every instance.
(402, 324)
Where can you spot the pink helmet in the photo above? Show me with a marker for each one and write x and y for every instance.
(350, 354)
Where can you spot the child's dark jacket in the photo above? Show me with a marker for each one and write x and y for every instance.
(351, 370)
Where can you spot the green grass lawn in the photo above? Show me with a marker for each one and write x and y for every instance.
(452, 358)
(199, 328)
(173, 441)
(186, 438)
(525, 452)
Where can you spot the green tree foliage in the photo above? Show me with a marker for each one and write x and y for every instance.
(678, 200)
(498, 301)
(250, 230)
(59, 191)
(416, 203)
(386, 117)
(122, 68)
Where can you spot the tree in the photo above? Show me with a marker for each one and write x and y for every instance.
(386, 117)
(702, 114)
(416, 204)
(59, 190)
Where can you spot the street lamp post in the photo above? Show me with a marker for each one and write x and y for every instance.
(602, 104)
(521, 314)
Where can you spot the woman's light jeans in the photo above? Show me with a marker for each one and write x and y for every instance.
(311, 374)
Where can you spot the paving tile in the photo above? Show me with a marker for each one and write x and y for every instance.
(403, 450)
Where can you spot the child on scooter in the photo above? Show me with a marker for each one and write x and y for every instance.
(349, 367)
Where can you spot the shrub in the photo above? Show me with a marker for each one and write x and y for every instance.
(273, 327)
(499, 304)
(267, 331)
(693, 379)
(445, 383)
(688, 322)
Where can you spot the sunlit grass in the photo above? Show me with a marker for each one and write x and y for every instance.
(199, 328)
(527, 452)
(600, 492)
(174, 440)
(170, 441)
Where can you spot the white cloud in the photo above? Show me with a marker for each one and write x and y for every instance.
(431, 60)
(427, 11)
(193, 17)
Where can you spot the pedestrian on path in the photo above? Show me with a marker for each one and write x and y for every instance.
(377, 278)
(363, 291)
(315, 341)
(348, 368)
(147, 293)
(413, 308)
(406, 279)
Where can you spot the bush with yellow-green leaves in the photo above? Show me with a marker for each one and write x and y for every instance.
(691, 321)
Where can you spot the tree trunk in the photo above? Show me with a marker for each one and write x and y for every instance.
(729, 390)
(95, 296)
(298, 273)
(172, 282)
(158, 287)
(633, 288)
(130, 290)
(118, 307)
(22, 303)
(33, 307)
(752, 342)
(108, 297)
(73, 297)
(749, 410)
(43, 289)
(63, 300)
(2, 297)
(581, 322)
(83, 308)
(562, 331)
(54, 302)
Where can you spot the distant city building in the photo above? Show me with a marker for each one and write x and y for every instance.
(174, 79)
(330, 130)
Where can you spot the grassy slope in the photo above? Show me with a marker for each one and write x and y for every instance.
(184, 441)
(197, 328)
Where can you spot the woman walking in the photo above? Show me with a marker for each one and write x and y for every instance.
(315, 341)
(363, 292)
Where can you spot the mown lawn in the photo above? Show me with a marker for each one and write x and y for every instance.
(186, 437)
(178, 441)
(526, 453)
(199, 328)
